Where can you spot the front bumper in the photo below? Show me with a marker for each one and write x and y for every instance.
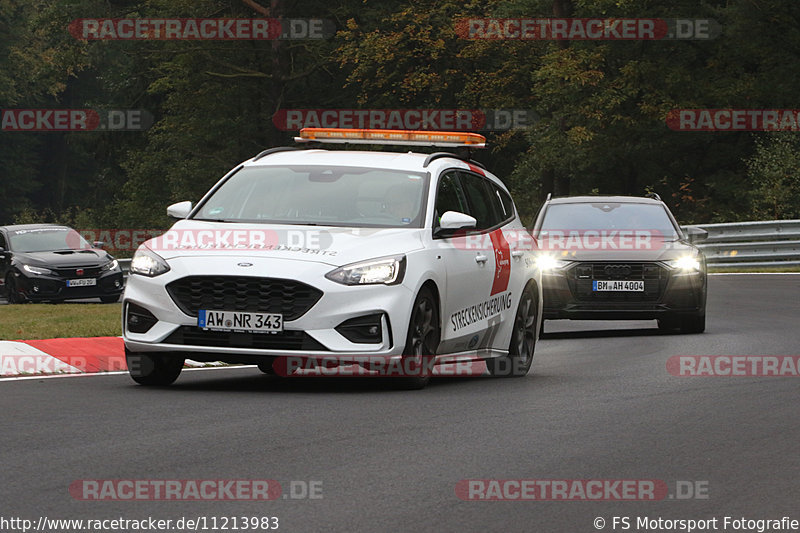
(313, 334)
(41, 288)
(666, 293)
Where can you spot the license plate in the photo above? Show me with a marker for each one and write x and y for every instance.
(239, 321)
(618, 286)
(86, 282)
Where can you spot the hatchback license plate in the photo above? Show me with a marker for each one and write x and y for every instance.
(239, 321)
(618, 286)
(86, 282)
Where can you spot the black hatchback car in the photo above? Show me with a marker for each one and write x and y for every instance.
(45, 262)
(620, 258)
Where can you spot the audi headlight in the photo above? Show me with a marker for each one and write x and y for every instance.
(686, 263)
(148, 263)
(111, 265)
(548, 263)
(386, 271)
(39, 271)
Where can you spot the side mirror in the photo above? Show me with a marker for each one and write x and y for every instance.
(98, 244)
(453, 220)
(695, 234)
(180, 210)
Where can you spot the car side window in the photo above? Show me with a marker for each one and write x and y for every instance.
(481, 202)
(505, 206)
(449, 196)
(3, 242)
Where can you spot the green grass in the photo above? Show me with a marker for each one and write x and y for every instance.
(48, 321)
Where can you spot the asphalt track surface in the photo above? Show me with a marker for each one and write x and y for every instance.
(599, 404)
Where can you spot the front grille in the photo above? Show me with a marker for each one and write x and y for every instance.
(241, 293)
(72, 272)
(582, 276)
(285, 340)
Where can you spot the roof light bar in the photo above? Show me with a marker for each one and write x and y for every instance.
(394, 137)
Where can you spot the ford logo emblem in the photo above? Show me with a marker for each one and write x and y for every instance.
(245, 264)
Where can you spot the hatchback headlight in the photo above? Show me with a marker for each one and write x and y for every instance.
(386, 271)
(148, 263)
(39, 271)
(111, 265)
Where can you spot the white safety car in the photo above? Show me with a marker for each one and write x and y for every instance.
(357, 257)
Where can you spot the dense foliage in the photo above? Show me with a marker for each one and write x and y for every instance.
(601, 104)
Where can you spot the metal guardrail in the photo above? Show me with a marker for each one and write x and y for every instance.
(774, 243)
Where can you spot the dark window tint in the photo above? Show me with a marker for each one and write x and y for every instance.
(480, 198)
(449, 196)
(505, 207)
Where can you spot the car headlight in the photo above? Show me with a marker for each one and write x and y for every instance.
(148, 263)
(387, 271)
(686, 263)
(111, 265)
(548, 263)
(39, 271)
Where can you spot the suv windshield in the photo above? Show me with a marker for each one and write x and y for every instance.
(608, 216)
(47, 239)
(320, 195)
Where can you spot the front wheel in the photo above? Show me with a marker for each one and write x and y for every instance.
(693, 324)
(523, 340)
(155, 369)
(422, 341)
(12, 294)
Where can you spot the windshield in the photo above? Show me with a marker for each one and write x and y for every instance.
(608, 216)
(317, 195)
(46, 240)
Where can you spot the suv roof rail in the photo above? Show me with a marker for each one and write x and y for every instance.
(653, 196)
(438, 155)
(549, 197)
(275, 150)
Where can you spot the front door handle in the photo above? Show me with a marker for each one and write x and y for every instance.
(481, 259)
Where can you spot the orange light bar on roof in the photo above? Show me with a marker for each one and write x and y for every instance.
(396, 137)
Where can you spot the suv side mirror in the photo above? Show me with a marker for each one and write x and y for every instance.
(695, 234)
(180, 210)
(98, 244)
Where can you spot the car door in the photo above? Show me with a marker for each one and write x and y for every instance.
(470, 266)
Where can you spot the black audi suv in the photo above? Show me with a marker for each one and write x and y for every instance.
(45, 262)
(620, 258)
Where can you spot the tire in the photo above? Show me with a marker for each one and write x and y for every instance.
(109, 299)
(12, 296)
(266, 366)
(668, 324)
(693, 324)
(523, 340)
(154, 369)
(422, 340)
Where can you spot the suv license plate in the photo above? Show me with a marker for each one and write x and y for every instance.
(618, 286)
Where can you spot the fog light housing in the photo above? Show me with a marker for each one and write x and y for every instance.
(138, 319)
(366, 329)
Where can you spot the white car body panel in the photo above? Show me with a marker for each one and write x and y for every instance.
(461, 281)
